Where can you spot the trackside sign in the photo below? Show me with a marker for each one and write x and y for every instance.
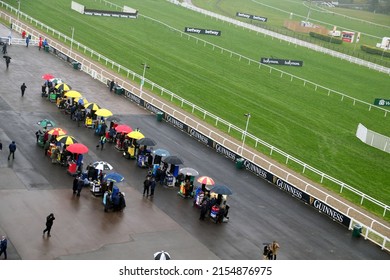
(284, 62)
(248, 16)
(202, 31)
(382, 102)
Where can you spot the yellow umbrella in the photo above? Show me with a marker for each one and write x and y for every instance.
(72, 93)
(63, 87)
(135, 135)
(103, 113)
(92, 106)
(66, 139)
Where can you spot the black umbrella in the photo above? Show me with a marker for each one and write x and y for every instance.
(146, 142)
(6, 56)
(221, 189)
(173, 160)
(113, 119)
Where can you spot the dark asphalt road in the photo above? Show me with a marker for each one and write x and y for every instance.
(259, 211)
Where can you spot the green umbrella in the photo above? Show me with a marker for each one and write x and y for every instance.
(46, 123)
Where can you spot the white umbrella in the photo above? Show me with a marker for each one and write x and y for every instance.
(162, 256)
(102, 165)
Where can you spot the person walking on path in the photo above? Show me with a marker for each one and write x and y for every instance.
(3, 246)
(146, 186)
(7, 61)
(49, 223)
(1, 146)
(4, 48)
(274, 248)
(102, 141)
(23, 88)
(75, 184)
(40, 43)
(152, 186)
(12, 149)
(27, 41)
(267, 253)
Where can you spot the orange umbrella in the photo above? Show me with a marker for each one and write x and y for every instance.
(206, 180)
(57, 131)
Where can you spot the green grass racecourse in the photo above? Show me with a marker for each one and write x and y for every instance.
(369, 24)
(310, 125)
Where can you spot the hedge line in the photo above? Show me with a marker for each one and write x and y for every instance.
(326, 38)
(375, 50)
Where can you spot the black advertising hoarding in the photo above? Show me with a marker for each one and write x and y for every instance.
(91, 12)
(312, 201)
(248, 16)
(134, 98)
(295, 192)
(152, 108)
(200, 136)
(330, 211)
(202, 31)
(175, 122)
(284, 62)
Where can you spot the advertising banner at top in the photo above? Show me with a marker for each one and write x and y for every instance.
(91, 12)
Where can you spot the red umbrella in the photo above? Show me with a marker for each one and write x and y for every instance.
(77, 148)
(205, 180)
(47, 76)
(122, 128)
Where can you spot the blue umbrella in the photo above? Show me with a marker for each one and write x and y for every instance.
(114, 177)
(161, 152)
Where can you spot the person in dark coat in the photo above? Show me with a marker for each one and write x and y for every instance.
(267, 253)
(112, 84)
(146, 187)
(75, 184)
(152, 186)
(203, 210)
(38, 134)
(12, 149)
(122, 201)
(3, 246)
(80, 185)
(4, 48)
(7, 61)
(49, 223)
(23, 88)
(46, 147)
